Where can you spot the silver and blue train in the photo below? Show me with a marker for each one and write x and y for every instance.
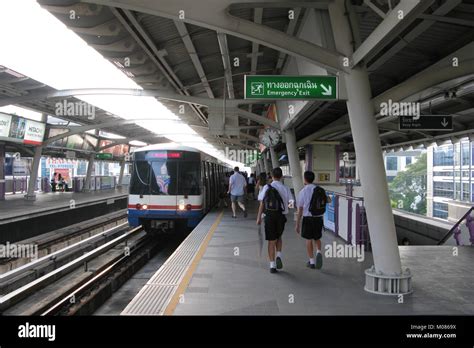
(173, 185)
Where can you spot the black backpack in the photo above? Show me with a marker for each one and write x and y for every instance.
(273, 201)
(318, 202)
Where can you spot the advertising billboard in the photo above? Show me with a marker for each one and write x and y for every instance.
(21, 130)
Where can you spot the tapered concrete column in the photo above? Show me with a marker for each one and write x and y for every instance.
(261, 166)
(2, 171)
(274, 158)
(371, 167)
(90, 165)
(30, 193)
(294, 160)
(122, 169)
(266, 163)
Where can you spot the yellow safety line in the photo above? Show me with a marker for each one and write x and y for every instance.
(189, 273)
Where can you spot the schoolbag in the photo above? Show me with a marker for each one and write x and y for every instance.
(318, 202)
(273, 201)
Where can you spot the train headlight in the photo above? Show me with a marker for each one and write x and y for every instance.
(138, 206)
(188, 206)
(181, 205)
(144, 206)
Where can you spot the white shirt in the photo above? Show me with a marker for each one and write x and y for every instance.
(251, 180)
(237, 184)
(304, 199)
(283, 190)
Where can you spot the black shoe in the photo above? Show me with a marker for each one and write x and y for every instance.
(319, 260)
(310, 265)
(234, 217)
(273, 270)
(245, 213)
(279, 263)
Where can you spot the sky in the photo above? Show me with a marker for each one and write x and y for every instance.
(38, 45)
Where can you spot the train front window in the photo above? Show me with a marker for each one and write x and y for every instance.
(163, 178)
(189, 178)
(140, 180)
(166, 177)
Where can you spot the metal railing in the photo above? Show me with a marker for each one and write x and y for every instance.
(360, 228)
(456, 230)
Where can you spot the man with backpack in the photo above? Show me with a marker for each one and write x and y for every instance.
(311, 205)
(274, 198)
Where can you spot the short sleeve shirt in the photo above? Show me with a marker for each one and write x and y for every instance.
(283, 190)
(238, 183)
(304, 199)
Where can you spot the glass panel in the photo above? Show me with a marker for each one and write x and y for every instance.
(189, 178)
(443, 156)
(392, 163)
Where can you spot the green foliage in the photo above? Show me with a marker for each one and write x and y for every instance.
(408, 188)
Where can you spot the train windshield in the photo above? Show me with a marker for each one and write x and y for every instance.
(165, 176)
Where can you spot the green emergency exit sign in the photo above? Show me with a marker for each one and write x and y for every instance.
(104, 156)
(290, 87)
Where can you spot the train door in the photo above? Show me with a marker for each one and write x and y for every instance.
(208, 186)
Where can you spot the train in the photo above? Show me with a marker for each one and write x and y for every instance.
(173, 186)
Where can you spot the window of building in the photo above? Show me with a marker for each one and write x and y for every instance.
(465, 192)
(443, 156)
(440, 210)
(448, 174)
(465, 154)
(392, 163)
(443, 189)
(408, 160)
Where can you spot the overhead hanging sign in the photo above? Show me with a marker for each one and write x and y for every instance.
(290, 87)
(104, 156)
(21, 130)
(426, 123)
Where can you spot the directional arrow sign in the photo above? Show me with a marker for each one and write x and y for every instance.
(290, 87)
(427, 123)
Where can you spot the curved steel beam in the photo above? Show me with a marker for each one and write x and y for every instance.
(218, 18)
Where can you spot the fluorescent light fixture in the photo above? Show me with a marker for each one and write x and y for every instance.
(72, 64)
(23, 112)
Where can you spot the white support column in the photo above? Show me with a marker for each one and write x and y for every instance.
(266, 163)
(261, 166)
(386, 276)
(90, 166)
(30, 193)
(294, 160)
(122, 169)
(274, 158)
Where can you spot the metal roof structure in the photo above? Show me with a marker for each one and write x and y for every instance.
(14, 84)
(194, 58)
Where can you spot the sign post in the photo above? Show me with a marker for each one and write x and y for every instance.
(290, 87)
(426, 123)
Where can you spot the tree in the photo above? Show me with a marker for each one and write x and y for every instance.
(408, 188)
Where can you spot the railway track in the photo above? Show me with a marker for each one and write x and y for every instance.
(50, 242)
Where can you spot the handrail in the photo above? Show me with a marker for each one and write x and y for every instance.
(355, 198)
(455, 227)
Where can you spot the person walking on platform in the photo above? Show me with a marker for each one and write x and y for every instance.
(274, 199)
(261, 181)
(251, 186)
(237, 187)
(311, 205)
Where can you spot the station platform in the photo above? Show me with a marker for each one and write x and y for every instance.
(21, 219)
(221, 268)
